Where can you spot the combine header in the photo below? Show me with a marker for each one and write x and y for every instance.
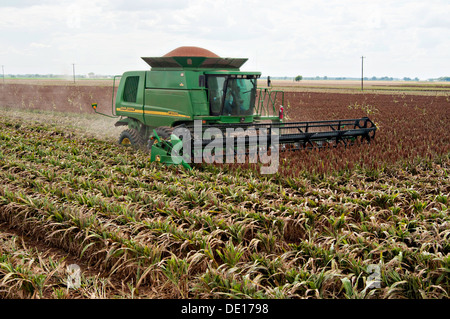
(192, 93)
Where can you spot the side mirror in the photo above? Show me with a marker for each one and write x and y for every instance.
(94, 107)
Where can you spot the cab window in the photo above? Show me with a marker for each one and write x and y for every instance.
(131, 88)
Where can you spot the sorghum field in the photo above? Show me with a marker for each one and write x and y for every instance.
(368, 221)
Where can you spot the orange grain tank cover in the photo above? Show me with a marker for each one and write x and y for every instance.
(191, 52)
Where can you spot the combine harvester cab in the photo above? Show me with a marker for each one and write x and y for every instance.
(191, 85)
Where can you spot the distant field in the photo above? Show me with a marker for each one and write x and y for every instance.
(68, 82)
(348, 86)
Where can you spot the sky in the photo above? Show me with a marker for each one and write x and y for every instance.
(402, 38)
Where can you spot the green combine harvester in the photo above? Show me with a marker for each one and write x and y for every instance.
(191, 87)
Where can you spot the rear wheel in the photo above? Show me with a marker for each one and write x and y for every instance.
(131, 137)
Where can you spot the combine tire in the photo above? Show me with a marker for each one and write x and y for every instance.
(131, 137)
(163, 133)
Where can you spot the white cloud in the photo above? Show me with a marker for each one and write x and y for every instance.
(399, 38)
(39, 45)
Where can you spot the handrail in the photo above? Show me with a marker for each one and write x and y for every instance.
(265, 94)
(113, 94)
(114, 115)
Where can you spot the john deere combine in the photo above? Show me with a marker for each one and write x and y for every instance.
(191, 88)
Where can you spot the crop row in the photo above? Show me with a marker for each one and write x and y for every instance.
(32, 273)
(210, 233)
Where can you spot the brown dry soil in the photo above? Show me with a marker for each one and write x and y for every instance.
(57, 97)
(64, 96)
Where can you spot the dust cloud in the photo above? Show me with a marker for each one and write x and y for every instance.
(86, 125)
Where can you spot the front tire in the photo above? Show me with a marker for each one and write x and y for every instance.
(131, 137)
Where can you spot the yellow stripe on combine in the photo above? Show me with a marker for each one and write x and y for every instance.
(133, 110)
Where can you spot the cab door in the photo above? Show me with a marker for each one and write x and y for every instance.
(215, 85)
(130, 95)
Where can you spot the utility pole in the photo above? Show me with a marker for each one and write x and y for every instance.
(362, 73)
(3, 73)
(73, 67)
